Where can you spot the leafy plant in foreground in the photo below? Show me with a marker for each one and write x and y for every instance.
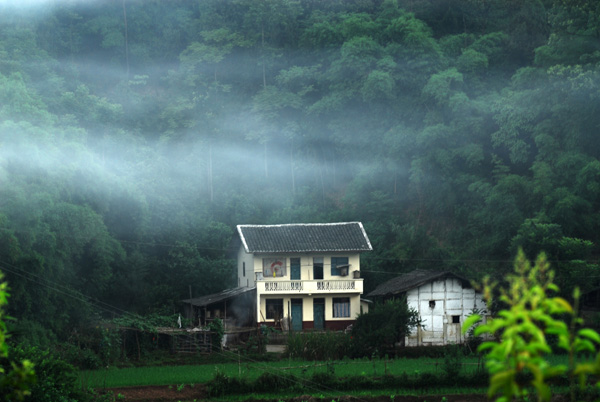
(15, 379)
(517, 360)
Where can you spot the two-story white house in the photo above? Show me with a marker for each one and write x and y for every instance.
(307, 276)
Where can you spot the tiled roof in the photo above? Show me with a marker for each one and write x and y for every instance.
(304, 237)
(410, 280)
(218, 297)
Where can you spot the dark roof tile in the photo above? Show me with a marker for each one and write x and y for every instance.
(410, 280)
(218, 297)
(304, 237)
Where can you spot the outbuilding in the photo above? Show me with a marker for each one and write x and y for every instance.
(443, 300)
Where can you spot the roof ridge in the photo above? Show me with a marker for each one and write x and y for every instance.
(299, 224)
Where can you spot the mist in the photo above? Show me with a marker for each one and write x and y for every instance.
(135, 135)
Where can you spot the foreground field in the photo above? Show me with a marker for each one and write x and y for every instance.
(249, 369)
(189, 382)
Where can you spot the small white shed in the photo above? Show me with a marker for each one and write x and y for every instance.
(443, 300)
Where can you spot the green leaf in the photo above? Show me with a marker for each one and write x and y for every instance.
(500, 380)
(470, 321)
(590, 334)
(486, 345)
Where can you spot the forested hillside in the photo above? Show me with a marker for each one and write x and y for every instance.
(135, 135)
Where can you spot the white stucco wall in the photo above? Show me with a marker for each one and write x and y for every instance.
(306, 274)
(308, 309)
(248, 279)
(438, 303)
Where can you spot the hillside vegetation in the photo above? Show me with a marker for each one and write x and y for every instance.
(135, 135)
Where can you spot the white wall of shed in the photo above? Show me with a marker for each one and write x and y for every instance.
(451, 299)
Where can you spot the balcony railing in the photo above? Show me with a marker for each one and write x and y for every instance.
(336, 285)
(283, 286)
(312, 286)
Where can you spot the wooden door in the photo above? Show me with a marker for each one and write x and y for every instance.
(319, 313)
(296, 314)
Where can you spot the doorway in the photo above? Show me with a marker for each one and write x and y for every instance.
(296, 314)
(319, 313)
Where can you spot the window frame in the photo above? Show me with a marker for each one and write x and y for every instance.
(338, 262)
(341, 307)
(318, 265)
(295, 263)
(277, 305)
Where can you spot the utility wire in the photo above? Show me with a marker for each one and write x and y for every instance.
(367, 258)
(74, 294)
(88, 300)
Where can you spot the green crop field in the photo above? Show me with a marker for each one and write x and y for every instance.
(248, 369)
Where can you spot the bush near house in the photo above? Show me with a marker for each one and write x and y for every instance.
(378, 331)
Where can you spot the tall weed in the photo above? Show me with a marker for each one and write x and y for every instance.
(318, 345)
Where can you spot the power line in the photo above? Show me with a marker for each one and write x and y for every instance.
(86, 299)
(74, 294)
(367, 257)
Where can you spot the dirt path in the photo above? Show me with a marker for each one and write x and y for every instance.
(159, 393)
(165, 393)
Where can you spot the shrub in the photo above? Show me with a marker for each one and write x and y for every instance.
(217, 333)
(417, 352)
(82, 358)
(56, 379)
(269, 382)
(222, 384)
(376, 332)
(452, 361)
(323, 380)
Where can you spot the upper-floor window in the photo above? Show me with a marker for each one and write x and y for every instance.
(338, 264)
(243, 269)
(274, 267)
(318, 267)
(295, 269)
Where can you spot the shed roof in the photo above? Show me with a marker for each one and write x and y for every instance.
(218, 297)
(410, 280)
(304, 237)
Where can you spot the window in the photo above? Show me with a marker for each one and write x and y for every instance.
(337, 263)
(341, 307)
(274, 309)
(431, 304)
(273, 267)
(295, 269)
(318, 267)
(455, 319)
(243, 269)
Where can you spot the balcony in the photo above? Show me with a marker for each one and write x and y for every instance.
(311, 287)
